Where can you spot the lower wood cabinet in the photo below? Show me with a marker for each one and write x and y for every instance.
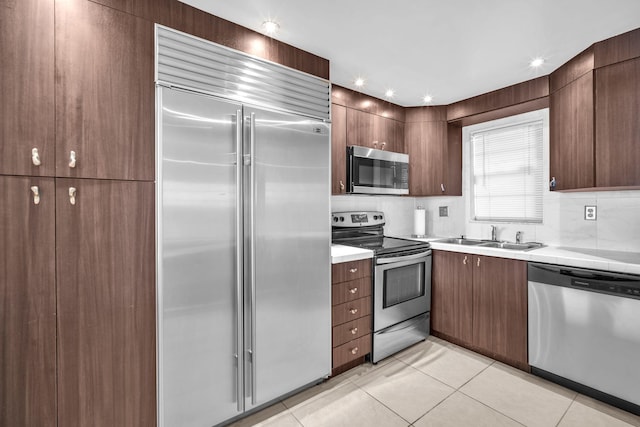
(351, 313)
(77, 289)
(481, 302)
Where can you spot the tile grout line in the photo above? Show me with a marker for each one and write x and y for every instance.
(567, 410)
(493, 409)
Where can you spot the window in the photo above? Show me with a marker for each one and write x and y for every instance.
(506, 180)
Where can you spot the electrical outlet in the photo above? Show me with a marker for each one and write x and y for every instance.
(590, 213)
(444, 210)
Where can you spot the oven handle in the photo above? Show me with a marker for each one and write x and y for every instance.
(402, 258)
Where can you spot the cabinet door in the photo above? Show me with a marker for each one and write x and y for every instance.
(618, 125)
(338, 149)
(500, 307)
(360, 128)
(426, 144)
(105, 99)
(571, 135)
(27, 101)
(105, 270)
(27, 303)
(452, 295)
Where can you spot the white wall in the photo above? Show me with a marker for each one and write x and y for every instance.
(617, 226)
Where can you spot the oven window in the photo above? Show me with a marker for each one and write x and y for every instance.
(403, 284)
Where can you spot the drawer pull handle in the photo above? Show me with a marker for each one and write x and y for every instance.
(478, 261)
(465, 260)
(353, 270)
(354, 331)
(36, 194)
(35, 157)
(354, 350)
(353, 290)
(72, 159)
(353, 311)
(72, 195)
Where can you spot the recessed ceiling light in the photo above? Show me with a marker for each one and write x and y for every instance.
(427, 99)
(359, 82)
(536, 62)
(270, 27)
(389, 93)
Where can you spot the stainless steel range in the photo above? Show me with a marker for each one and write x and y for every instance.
(402, 280)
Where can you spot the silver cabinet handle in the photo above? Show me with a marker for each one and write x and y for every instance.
(72, 159)
(383, 144)
(35, 157)
(478, 264)
(341, 185)
(36, 194)
(442, 188)
(353, 290)
(465, 260)
(354, 350)
(353, 311)
(354, 331)
(353, 270)
(375, 144)
(72, 195)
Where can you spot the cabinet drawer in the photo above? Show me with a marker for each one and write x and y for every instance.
(351, 330)
(346, 271)
(351, 290)
(351, 350)
(351, 310)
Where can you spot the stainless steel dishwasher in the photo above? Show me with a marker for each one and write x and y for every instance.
(584, 331)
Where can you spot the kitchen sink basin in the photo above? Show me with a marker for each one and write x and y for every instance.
(491, 244)
(461, 241)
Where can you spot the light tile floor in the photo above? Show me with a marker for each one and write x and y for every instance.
(436, 383)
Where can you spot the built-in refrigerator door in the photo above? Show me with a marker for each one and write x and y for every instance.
(199, 314)
(287, 247)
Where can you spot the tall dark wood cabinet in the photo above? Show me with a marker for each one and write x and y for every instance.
(106, 302)
(27, 121)
(338, 149)
(618, 124)
(572, 143)
(452, 296)
(105, 98)
(28, 302)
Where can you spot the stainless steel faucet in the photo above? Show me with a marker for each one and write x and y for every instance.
(519, 237)
(493, 233)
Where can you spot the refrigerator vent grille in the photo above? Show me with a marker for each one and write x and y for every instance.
(186, 61)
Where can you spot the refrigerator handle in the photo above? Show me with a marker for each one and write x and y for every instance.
(239, 268)
(252, 302)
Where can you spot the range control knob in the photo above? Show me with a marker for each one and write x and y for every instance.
(341, 219)
(335, 219)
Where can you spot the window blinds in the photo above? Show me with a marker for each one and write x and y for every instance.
(507, 173)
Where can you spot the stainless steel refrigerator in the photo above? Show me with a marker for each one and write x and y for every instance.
(243, 256)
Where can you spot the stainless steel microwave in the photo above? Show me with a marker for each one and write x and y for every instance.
(371, 171)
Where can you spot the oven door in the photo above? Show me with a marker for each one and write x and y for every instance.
(372, 171)
(402, 288)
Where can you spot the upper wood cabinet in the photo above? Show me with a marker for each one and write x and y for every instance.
(435, 153)
(28, 308)
(105, 277)
(572, 144)
(618, 125)
(374, 131)
(338, 149)
(27, 119)
(105, 99)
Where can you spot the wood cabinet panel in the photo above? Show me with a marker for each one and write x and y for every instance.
(360, 128)
(105, 99)
(578, 66)
(351, 350)
(338, 149)
(501, 98)
(359, 101)
(28, 312)
(426, 144)
(351, 310)
(454, 161)
(105, 272)
(183, 17)
(452, 295)
(351, 290)
(350, 270)
(617, 49)
(27, 117)
(500, 308)
(618, 125)
(571, 146)
(351, 330)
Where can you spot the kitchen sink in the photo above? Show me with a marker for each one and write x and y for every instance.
(491, 244)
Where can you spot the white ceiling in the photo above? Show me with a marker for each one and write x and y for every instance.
(450, 49)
